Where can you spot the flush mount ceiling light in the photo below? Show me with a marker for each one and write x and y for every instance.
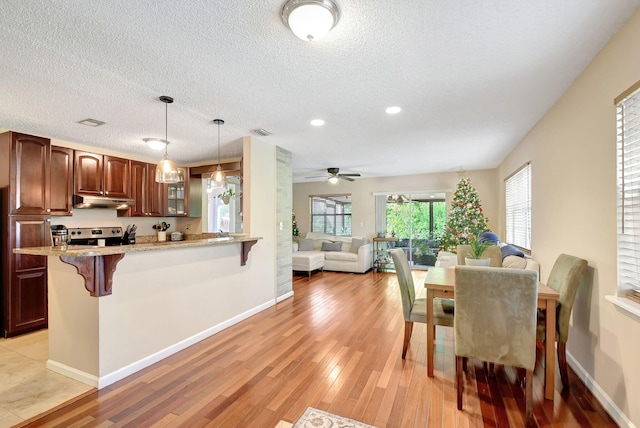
(166, 171)
(310, 19)
(219, 178)
(393, 110)
(317, 122)
(156, 143)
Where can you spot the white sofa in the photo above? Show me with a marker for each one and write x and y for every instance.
(341, 261)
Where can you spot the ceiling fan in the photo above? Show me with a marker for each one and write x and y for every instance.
(334, 175)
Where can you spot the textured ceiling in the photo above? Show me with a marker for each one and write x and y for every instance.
(472, 77)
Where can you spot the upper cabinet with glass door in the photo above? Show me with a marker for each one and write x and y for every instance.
(177, 196)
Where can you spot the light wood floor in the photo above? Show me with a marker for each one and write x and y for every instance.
(335, 346)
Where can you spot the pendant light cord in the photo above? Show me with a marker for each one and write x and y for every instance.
(166, 133)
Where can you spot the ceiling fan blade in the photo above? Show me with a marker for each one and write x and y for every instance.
(344, 177)
(349, 175)
(317, 176)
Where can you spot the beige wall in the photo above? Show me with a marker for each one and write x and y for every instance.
(573, 156)
(363, 202)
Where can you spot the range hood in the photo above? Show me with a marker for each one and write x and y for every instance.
(104, 202)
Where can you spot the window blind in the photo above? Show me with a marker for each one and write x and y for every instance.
(518, 207)
(628, 171)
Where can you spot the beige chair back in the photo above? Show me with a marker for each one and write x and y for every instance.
(495, 316)
(565, 277)
(405, 281)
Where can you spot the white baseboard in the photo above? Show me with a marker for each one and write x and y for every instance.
(604, 399)
(72, 373)
(284, 297)
(132, 368)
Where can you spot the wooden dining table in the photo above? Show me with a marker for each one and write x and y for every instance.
(440, 282)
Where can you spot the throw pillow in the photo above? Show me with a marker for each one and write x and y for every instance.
(489, 237)
(510, 250)
(356, 243)
(305, 244)
(514, 262)
(331, 246)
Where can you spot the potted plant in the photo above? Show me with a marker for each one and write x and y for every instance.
(477, 250)
(226, 195)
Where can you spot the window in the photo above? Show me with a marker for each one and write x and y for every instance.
(331, 214)
(417, 220)
(628, 184)
(518, 207)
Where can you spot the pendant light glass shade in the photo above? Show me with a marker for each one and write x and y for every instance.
(167, 170)
(219, 178)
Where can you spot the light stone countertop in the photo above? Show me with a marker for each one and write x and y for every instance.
(88, 250)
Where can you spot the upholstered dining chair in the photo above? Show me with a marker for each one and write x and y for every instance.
(415, 310)
(565, 277)
(495, 321)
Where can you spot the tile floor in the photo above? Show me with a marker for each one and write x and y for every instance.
(27, 387)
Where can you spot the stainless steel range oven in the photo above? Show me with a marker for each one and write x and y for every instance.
(107, 236)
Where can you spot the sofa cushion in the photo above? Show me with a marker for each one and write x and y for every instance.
(356, 243)
(331, 246)
(510, 250)
(341, 255)
(305, 244)
(319, 238)
(514, 262)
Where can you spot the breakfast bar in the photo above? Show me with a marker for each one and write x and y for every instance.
(115, 310)
(97, 264)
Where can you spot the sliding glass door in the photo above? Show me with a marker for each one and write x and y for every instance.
(417, 220)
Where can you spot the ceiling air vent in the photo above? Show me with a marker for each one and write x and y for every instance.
(261, 131)
(91, 122)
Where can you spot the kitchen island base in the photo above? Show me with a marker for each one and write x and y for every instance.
(161, 303)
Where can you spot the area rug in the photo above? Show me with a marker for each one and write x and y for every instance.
(314, 418)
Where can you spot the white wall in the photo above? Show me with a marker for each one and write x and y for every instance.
(573, 159)
(363, 201)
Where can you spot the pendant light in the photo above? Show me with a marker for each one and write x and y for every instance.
(166, 171)
(219, 178)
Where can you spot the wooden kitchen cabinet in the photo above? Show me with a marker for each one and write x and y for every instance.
(145, 191)
(40, 176)
(36, 180)
(61, 203)
(29, 172)
(25, 282)
(177, 196)
(101, 175)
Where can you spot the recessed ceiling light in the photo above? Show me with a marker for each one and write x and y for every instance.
(317, 122)
(91, 122)
(393, 110)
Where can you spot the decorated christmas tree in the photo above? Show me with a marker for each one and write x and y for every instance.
(294, 224)
(465, 219)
